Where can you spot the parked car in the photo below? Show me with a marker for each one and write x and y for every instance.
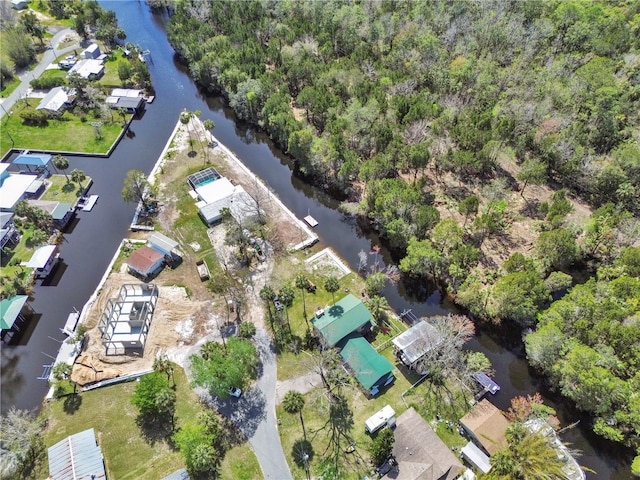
(235, 392)
(278, 304)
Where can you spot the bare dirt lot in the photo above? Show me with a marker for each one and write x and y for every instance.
(188, 313)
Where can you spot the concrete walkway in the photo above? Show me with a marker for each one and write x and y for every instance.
(27, 76)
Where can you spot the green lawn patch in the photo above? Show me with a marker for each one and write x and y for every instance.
(240, 463)
(62, 190)
(69, 133)
(9, 87)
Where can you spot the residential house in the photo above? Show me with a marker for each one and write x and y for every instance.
(43, 260)
(19, 4)
(132, 101)
(13, 187)
(89, 69)
(372, 370)
(419, 452)
(336, 322)
(413, 344)
(91, 52)
(77, 457)
(11, 313)
(57, 100)
(8, 231)
(486, 426)
(60, 212)
(145, 262)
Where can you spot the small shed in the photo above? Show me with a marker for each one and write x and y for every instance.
(162, 243)
(145, 261)
(486, 426)
(77, 457)
(92, 51)
(413, 344)
(11, 310)
(476, 457)
(338, 321)
(372, 370)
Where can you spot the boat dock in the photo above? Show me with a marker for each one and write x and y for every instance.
(311, 221)
(89, 203)
(487, 383)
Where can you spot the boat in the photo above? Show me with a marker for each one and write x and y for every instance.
(70, 325)
(487, 383)
(86, 204)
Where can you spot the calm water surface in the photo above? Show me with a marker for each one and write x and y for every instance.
(89, 246)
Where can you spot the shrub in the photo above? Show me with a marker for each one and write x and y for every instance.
(46, 83)
(36, 118)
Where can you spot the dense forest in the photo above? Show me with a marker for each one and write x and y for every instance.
(451, 126)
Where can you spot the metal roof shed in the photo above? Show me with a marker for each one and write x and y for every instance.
(414, 343)
(162, 243)
(476, 457)
(10, 309)
(372, 370)
(77, 457)
(33, 159)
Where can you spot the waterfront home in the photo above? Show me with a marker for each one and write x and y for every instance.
(43, 260)
(11, 314)
(8, 231)
(77, 457)
(336, 322)
(372, 370)
(91, 52)
(486, 426)
(132, 101)
(419, 452)
(413, 344)
(13, 187)
(60, 212)
(145, 262)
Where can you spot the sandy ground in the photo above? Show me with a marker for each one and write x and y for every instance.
(182, 322)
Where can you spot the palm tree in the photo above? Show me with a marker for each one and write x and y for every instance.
(332, 285)
(287, 295)
(377, 305)
(78, 176)
(61, 163)
(529, 456)
(208, 125)
(162, 364)
(266, 295)
(293, 402)
(301, 282)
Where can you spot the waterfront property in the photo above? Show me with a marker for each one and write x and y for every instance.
(8, 232)
(413, 344)
(58, 99)
(13, 187)
(420, 453)
(11, 314)
(486, 426)
(43, 260)
(145, 262)
(77, 457)
(213, 193)
(372, 370)
(60, 212)
(132, 101)
(338, 321)
(126, 319)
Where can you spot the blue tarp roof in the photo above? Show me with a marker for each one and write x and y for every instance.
(37, 160)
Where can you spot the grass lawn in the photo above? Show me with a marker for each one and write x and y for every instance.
(9, 87)
(61, 190)
(127, 454)
(68, 133)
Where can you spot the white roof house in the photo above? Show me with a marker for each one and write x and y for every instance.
(221, 193)
(412, 344)
(476, 457)
(126, 92)
(162, 243)
(92, 51)
(88, 68)
(77, 457)
(40, 257)
(54, 100)
(12, 187)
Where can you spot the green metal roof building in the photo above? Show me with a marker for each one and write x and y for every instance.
(11, 310)
(372, 370)
(346, 316)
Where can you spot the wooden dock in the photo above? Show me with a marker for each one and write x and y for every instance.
(311, 221)
(87, 203)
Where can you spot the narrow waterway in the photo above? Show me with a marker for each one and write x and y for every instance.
(89, 246)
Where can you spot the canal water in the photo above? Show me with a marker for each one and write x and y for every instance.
(92, 241)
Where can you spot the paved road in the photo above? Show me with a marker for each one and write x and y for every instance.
(47, 59)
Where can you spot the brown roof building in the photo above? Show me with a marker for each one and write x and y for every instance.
(145, 261)
(487, 426)
(420, 453)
